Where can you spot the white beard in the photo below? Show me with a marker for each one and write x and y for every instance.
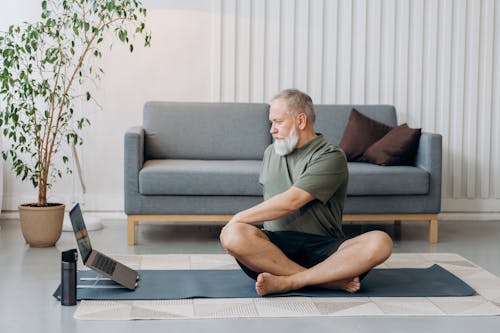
(286, 145)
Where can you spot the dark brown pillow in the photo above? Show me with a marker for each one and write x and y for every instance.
(360, 133)
(398, 147)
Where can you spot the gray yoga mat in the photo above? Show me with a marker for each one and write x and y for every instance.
(183, 284)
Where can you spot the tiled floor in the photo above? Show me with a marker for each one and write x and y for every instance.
(29, 277)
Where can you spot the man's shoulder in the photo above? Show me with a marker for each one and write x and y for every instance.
(327, 149)
(327, 157)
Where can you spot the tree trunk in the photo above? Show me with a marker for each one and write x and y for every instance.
(42, 194)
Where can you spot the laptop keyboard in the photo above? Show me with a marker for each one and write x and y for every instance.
(105, 264)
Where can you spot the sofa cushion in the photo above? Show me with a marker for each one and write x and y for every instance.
(361, 132)
(331, 120)
(398, 147)
(197, 177)
(210, 131)
(371, 179)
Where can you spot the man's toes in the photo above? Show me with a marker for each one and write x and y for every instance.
(261, 278)
(355, 287)
(352, 289)
(259, 284)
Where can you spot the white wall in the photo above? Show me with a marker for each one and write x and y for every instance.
(438, 62)
(176, 67)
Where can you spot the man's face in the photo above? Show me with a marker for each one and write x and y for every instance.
(283, 128)
(281, 120)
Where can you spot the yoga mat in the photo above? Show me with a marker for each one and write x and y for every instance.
(433, 281)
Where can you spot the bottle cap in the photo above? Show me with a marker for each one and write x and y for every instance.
(69, 255)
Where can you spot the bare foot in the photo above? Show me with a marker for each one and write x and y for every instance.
(351, 285)
(272, 284)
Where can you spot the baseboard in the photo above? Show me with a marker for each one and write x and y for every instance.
(6, 215)
(468, 216)
(470, 206)
(120, 215)
(94, 203)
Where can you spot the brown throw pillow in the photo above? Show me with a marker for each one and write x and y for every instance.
(360, 133)
(398, 147)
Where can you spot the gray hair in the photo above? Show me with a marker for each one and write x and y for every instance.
(298, 101)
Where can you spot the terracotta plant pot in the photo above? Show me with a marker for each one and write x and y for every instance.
(41, 226)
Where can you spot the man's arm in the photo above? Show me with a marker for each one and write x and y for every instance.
(278, 206)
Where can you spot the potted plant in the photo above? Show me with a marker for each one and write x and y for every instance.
(46, 66)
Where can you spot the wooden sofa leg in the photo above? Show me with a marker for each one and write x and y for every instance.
(397, 230)
(433, 231)
(131, 230)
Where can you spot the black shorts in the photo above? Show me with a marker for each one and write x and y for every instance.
(306, 250)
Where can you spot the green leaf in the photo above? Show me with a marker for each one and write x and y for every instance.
(50, 46)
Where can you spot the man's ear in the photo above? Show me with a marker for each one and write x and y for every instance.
(302, 121)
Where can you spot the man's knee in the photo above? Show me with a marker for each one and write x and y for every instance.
(230, 235)
(379, 246)
(236, 237)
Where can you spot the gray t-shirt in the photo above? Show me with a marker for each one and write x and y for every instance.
(319, 168)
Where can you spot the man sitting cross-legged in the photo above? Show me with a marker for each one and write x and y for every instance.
(304, 182)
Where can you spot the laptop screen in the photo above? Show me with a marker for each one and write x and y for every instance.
(82, 237)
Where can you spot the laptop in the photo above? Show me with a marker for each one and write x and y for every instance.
(97, 261)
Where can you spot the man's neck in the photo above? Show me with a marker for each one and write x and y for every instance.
(305, 138)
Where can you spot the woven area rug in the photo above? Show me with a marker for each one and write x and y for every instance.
(486, 302)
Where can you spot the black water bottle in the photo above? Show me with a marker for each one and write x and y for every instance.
(68, 277)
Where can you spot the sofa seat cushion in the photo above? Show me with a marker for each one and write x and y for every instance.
(200, 177)
(371, 179)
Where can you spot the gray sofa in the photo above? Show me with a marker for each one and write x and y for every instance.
(201, 162)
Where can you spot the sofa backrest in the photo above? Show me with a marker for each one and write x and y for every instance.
(187, 130)
(331, 120)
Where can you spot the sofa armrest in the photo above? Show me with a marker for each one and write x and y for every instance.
(429, 158)
(133, 162)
